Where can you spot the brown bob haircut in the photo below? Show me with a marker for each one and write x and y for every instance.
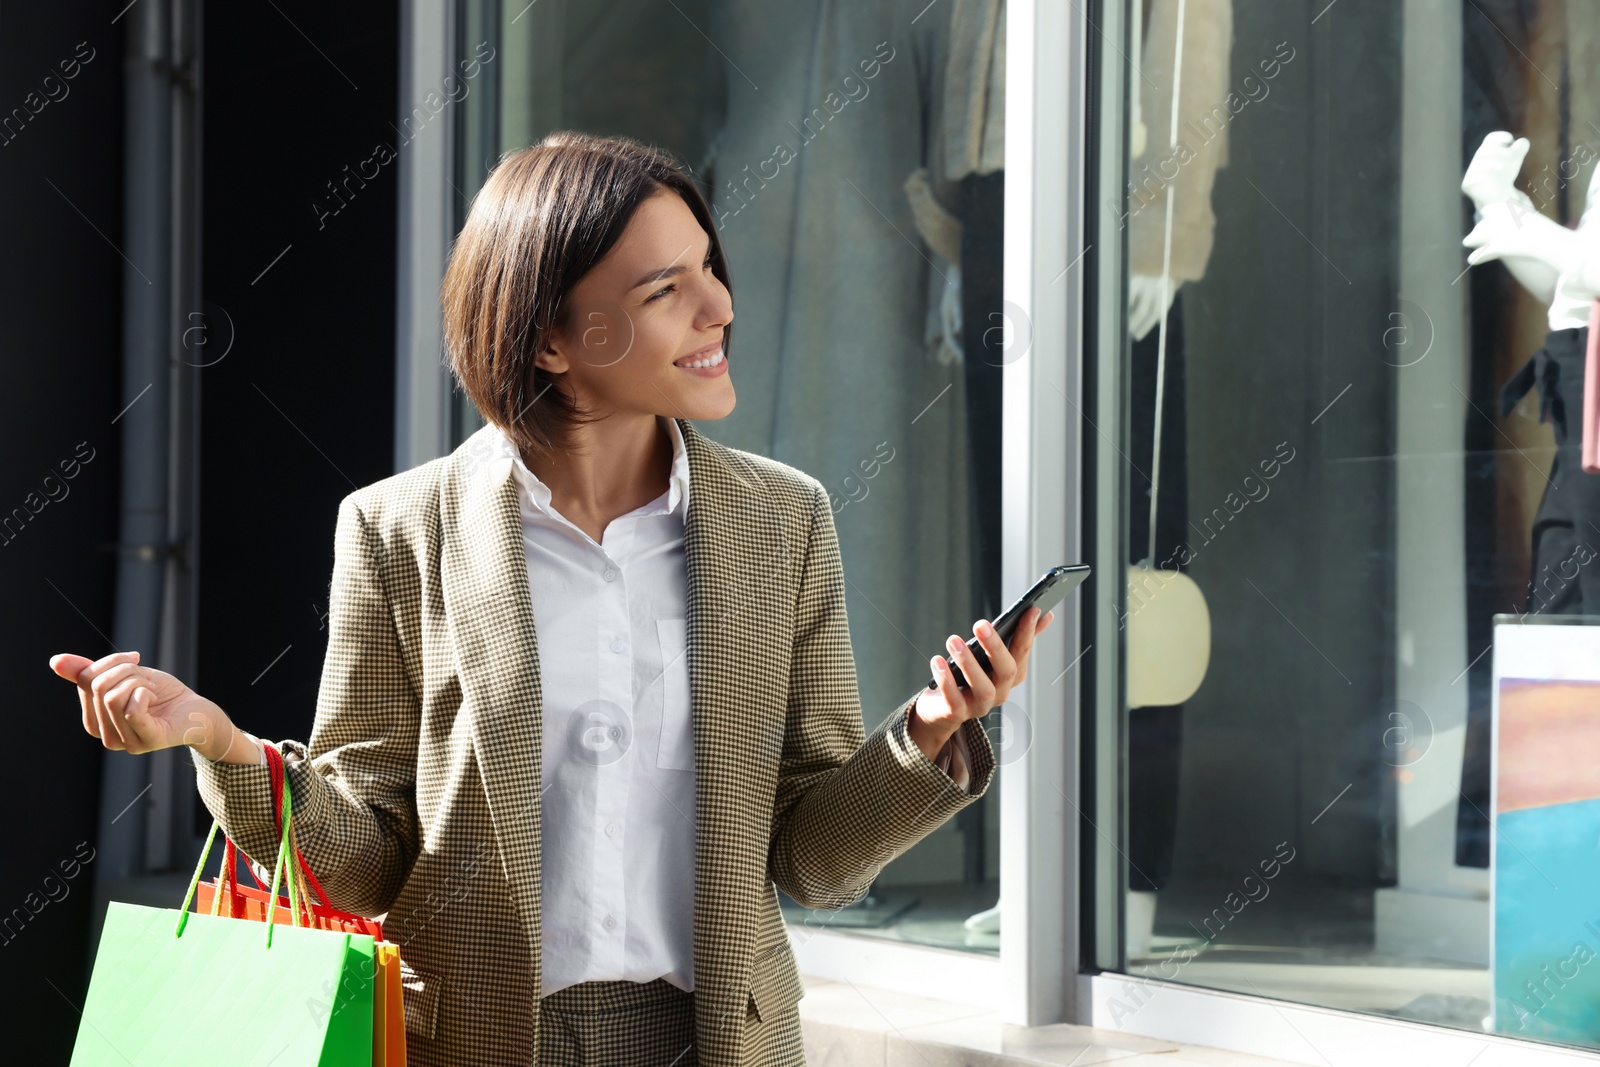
(544, 218)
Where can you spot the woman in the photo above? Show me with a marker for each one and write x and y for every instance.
(577, 838)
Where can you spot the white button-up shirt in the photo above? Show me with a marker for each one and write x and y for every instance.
(618, 805)
(618, 764)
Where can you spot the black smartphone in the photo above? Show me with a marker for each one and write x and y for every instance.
(1046, 594)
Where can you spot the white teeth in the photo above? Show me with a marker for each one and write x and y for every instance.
(711, 362)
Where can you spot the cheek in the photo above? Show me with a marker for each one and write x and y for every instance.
(606, 335)
(627, 358)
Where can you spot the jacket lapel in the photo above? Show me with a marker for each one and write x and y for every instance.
(737, 553)
(483, 573)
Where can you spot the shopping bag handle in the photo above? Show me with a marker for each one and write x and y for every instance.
(275, 767)
(282, 868)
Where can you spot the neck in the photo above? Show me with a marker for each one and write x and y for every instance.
(615, 465)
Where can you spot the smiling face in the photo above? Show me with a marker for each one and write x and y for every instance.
(636, 323)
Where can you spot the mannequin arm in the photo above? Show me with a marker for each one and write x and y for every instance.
(1536, 250)
(1144, 302)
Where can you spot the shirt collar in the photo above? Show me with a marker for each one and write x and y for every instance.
(507, 462)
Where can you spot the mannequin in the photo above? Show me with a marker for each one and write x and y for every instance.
(1560, 267)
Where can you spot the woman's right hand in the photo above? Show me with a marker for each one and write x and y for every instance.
(140, 709)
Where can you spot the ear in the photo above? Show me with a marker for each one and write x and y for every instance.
(553, 359)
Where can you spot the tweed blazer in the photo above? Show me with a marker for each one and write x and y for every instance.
(416, 799)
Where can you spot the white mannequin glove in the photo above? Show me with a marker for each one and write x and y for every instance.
(1536, 250)
(1492, 175)
(1144, 303)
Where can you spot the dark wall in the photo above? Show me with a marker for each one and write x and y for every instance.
(298, 413)
(301, 410)
(60, 338)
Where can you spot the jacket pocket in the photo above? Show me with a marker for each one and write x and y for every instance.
(421, 993)
(675, 751)
(775, 983)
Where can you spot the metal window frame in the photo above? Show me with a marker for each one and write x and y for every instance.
(426, 226)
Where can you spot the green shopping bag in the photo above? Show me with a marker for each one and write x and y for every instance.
(176, 989)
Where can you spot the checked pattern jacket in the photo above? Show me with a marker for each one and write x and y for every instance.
(416, 798)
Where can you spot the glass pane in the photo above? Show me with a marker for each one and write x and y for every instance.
(1346, 452)
(853, 158)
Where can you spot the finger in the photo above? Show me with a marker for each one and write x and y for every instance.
(1022, 640)
(69, 666)
(112, 725)
(91, 723)
(116, 700)
(119, 696)
(1022, 643)
(105, 730)
(1519, 150)
(980, 687)
(118, 673)
(1002, 664)
(102, 686)
(107, 683)
(954, 698)
(137, 714)
(1499, 139)
(87, 676)
(1040, 625)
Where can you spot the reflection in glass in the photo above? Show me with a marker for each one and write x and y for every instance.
(1359, 450)
(853, 156)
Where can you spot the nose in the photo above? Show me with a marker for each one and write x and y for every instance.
(718, 307)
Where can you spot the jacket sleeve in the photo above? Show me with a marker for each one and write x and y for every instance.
(354, 784)
(847, 805)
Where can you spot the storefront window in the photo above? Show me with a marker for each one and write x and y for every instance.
(1347, 451)
(853, 157)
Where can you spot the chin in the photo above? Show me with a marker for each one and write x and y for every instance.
(706, 408)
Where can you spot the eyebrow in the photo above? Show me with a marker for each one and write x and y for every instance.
(670, 271)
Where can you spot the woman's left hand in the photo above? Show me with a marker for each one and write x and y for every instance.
(938, 713)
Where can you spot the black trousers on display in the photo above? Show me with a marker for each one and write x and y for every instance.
(1565, 570)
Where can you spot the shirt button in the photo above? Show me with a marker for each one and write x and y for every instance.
(609, 574)
(611, 829)
(609, 923)
(619, 645)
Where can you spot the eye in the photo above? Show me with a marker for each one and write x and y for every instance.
(665, 289)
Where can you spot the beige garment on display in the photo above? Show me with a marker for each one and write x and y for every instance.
(975, 90)
(969, 139)
(1202, 149)
(1583, 100)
